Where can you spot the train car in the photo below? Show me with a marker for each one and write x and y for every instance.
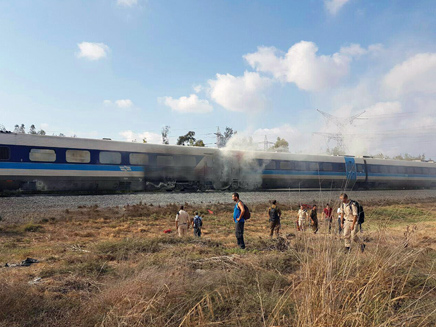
(399, 174)
(33, 163)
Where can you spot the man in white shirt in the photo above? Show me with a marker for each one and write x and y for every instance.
(302, 215)
(349, 215)
(182, 220)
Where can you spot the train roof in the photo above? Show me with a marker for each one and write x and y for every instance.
(94, 144)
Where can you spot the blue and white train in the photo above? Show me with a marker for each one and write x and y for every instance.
(33, 163)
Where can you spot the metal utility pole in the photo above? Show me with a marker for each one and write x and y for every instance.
(265, 144)
(339, 123)
(219, 138)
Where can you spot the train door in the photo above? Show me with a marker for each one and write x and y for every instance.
(350, 167)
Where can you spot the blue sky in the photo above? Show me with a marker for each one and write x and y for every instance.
(126, 68)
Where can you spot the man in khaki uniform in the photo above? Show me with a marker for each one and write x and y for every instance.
(349, 222)
(302, 216)
(182, 220)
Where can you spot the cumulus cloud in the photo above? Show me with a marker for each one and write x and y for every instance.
(301, 64)
(333, 6)
(240, 93)
(127, 3)
(122, 103)
(191, 104)
(131, 136)
(92, 51)
(415, 75)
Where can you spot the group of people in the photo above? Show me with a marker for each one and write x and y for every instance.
(347, 220)
(183, 222)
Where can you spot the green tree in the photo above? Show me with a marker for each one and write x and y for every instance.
(32, 129)
(187, 139)
(199, 143)
(165, 131)
(281, 145)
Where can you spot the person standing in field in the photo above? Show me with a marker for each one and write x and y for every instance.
(327, 215)
(349, 214)
(182, 220)
(238, 218)
(197, 223)
(274, 214)
(314, 219)
(339, 220)
(302, 215)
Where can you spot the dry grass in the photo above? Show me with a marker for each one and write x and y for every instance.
(116, 267)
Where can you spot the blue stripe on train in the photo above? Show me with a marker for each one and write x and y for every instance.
(50, 166)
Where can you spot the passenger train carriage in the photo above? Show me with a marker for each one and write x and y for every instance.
(33, 163)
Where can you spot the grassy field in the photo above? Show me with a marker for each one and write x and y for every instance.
(116, 267)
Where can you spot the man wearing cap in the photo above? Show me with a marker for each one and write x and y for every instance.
(349, 224)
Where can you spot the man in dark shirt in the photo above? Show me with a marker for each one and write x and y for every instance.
(274, 214)
(314, 219)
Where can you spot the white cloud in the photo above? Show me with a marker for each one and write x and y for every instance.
(124, 104)
(415, 75)
(92, 51)
(240, 93)
(333, 6)
(131, 136)
(301, 64)
(198, 88)
(127, 3)
(191, 104)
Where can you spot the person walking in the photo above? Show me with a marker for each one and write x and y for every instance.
(197, 223)
(274, 214)
(314, 219)
(327, 215)
(349, 214)
(182, 220)
(238, 218)
(302, 216)
(339, 221)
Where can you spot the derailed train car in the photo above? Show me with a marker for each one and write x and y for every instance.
(32, 163)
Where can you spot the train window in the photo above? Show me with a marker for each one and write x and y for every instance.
(269, 164)
(360, 168)
(418, 170)
(138, 159)
(393, 169)
(78, 156)
(300, 165)
(401, 170)
(326, 166)
(339, 167)
(5, 153)
(186, 161)
(165, 160)
(409, 170)
(384, 169)
(313, 166)
(287, 165)
(42, 155)
(374, 169)
(426, 170)
(113, 158)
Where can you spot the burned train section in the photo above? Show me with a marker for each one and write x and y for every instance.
(33, 163)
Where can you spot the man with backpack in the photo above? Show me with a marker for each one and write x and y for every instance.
(350, 217)
(239, 216)
(274, 214)
(197, 223)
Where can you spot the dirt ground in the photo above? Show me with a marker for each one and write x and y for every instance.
(90, 257)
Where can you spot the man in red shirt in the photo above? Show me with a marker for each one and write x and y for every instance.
(327, 214)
